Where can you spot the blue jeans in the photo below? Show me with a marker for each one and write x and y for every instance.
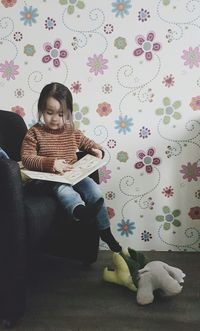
(85, 192)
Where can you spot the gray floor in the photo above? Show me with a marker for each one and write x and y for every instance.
(64, 296)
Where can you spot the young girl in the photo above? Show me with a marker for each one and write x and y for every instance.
(51, 146)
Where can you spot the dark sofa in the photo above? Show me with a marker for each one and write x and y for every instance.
(31, 224)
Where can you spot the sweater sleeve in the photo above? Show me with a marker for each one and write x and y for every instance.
(86, 144)
(29, 154)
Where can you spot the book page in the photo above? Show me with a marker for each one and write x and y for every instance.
(81, 169)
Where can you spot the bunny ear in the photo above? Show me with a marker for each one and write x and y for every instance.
(143, 270)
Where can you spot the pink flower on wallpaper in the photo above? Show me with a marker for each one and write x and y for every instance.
(194, 213)
(76, 87)
(8, 3)
(190, 171)
(97, 64)
(104, 174)
(54, 53)
(191, 57)
(168, 80)
(111, 212)
(104, 109)
(9, 70)
(168, 191)
(18, 110)
(148, 161)
(195, 103)
(147, 45)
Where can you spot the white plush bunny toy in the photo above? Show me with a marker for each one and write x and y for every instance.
(132, 271)
(158, 275)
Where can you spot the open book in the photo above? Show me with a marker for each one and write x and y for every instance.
(81, 169)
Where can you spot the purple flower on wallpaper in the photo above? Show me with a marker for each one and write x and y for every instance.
(111, 143)
(146, 236)
(190, 171)
(104, 174)
(18, 36)
(143, 15)
(147, 160)
(144, 132)
(110, 195)
(19, 93)
(97, 64)
(147, 45)
(9, 70)
(108, 28)
(49, 23)
(191, 57)
(54, 53)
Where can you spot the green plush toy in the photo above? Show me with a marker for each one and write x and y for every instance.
(132, 270)
(127, 264)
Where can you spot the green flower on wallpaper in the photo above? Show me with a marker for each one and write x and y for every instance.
(169, 218)
(29, 50)
(120, 43)
(166, 2)
(72, 4)
(169, 110)
(122, 156)
(79, 115)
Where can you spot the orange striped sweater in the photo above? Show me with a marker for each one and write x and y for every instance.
(42, 146)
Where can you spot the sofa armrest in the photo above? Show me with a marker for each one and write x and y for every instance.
(11, 191)
(12, 212)
(12, 239)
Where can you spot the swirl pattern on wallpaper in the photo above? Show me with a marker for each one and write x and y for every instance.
(6, 29)
(128, 187)
(126, 78)
(190, 16)
(190, 233)
(97, 17)
(192, 127)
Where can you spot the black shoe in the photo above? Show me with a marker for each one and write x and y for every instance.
(88, 212)
(108, 238)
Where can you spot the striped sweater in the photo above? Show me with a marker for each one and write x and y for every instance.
(42, 146)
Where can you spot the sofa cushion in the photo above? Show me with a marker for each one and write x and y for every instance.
(40, 215)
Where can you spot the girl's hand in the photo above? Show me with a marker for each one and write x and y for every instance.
(97, 152)
(61, 166)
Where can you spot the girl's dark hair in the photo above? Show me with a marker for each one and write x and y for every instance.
(62, 94)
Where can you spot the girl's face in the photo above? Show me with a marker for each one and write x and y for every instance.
(53, 114)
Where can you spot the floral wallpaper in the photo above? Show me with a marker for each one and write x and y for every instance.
(133, 69)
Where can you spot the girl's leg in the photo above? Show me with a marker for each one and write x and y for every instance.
(90, 193)
(73, 203)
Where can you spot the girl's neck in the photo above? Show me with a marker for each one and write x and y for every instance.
(54, 131)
